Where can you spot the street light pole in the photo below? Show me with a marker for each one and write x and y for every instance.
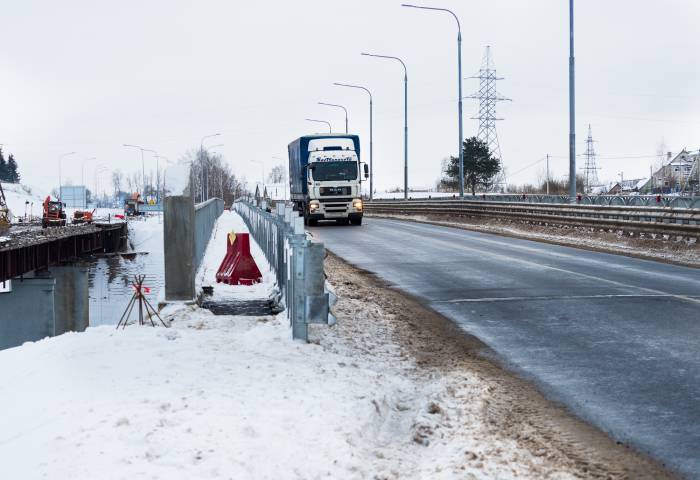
(572, 109)
(459, 89)
(338, 106)
(201, 156)
(330, 130)
(82, 174)
(405, 119)
(284, 180)
(262, 185)
(60, 179)
(371, 173)
(143, 165)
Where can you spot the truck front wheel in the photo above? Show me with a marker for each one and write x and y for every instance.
(356, 221)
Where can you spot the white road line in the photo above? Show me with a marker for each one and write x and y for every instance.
(503, 257)
(551, 297)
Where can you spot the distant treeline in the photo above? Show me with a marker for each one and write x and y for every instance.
(8, 169)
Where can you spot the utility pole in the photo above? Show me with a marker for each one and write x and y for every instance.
(572, 109)
(547, 174)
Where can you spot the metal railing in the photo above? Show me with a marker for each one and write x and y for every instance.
(296, 260)
(205, 216)
(604, 200)
(638, 219)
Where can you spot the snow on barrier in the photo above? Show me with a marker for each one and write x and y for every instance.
(297, 261)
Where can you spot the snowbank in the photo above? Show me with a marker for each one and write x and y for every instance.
(213, 397)
(17, 195)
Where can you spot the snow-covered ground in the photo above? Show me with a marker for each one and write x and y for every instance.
(216, 250)
(17, 196)
(235, 397)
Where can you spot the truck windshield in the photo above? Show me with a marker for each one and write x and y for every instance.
(334, 171)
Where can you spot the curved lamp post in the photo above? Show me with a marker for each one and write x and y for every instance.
(330, 130)
(60, 180)
(459, 88)
(371, 174)
(405, 118)
(205, 180)
(338, 106)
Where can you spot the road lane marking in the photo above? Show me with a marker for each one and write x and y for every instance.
(517, 244)
(452, 246)
(552, 297)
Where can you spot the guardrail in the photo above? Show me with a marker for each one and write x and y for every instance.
(205, 216)
(609, 200)
(297, 261)
(684, 222)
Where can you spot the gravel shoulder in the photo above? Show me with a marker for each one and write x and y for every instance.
(480, 420)
(668, 251)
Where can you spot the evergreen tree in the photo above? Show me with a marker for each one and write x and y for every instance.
(12, 171)
(3, 167)
(480, 166)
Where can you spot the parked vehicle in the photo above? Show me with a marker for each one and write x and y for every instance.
(324, 178)
(54, 215)
(131, 205)
(82, 216)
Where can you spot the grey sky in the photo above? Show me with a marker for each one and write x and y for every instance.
(89, 76)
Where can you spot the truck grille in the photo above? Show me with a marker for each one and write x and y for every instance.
(334, 191)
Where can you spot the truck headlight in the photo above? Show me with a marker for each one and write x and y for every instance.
(357, 204)
(313, 206)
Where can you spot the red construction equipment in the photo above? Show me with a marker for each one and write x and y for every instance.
(54, 216)
(4, 212)
(82, 216)
(238, 266)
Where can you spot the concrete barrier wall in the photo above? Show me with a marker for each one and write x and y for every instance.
(205, 217)
(187, 230)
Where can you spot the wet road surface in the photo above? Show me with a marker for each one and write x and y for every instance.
(616, 339)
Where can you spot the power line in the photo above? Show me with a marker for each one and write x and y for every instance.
(489, 97)
(590, 168)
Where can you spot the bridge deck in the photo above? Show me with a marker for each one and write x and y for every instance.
(33, 249)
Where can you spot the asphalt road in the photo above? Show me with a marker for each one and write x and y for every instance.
(616, 339)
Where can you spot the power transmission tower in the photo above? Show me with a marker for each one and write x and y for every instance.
(489, 97)
(590, 169)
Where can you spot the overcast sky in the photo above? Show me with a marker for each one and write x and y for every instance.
(88, 76)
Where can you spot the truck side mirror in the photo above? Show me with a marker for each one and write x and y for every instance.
(366, 171)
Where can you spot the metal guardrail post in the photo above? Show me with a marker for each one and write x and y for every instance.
(298, 263)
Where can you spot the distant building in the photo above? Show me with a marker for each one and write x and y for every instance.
(74, 196)
(678, 174)
(626, 187)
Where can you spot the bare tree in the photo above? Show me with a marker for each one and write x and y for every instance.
(277, 174)
(117, 179)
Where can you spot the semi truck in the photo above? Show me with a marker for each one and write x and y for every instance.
(325, 180)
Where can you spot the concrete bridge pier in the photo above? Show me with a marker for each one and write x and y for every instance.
(71, 298)
(45, 304)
